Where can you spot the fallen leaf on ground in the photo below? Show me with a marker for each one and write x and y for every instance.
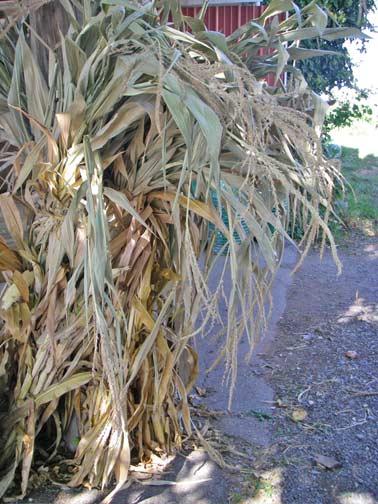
(327, 462)
(351, 354)
(201, 391)
(299, 415)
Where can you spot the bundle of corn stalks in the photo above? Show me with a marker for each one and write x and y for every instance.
(111, 159)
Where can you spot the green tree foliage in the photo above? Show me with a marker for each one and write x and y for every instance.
(327, 72)
(346, 112)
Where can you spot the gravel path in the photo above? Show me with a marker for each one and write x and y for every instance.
(324, 367)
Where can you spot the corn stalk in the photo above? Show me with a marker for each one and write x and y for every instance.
(112, 161)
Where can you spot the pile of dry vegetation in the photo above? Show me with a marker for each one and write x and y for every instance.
(115, 145)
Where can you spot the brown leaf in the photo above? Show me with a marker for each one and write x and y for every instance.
(53, 150)
(22, 285)
(12, 219)
(327, 462)
(9, 259)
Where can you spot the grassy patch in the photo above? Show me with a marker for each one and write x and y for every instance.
(360, 209)
(254, 487)
(237, 498)
(266, 487)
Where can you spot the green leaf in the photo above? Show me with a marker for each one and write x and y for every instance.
(207, 120)
(283, 56)
(29, 163)
(298, 53)
(128, 114)
(318, 17)
(35, 86)
(276, 7)
(343, 32)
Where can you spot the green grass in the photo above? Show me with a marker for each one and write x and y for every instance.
(251, 487)
(266, 487)
(360, 209)
(237, 498)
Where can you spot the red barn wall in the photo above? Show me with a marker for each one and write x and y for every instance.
(228, 18)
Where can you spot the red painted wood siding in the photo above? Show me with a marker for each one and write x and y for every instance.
(228, 18)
